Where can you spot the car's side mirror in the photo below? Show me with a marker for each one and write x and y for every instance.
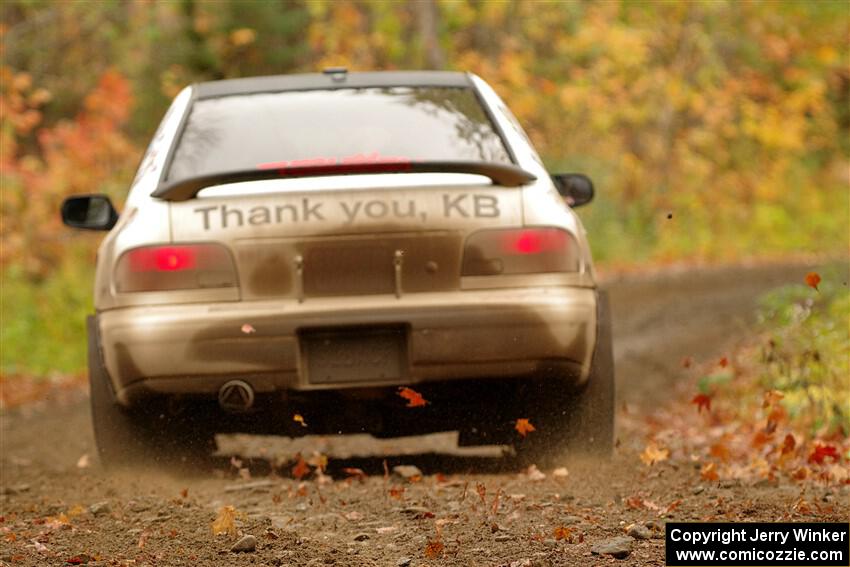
(90, 212)
(577, 189)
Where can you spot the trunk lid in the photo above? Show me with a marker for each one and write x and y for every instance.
(297, 242)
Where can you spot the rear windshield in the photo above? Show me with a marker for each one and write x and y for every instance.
(248, 131)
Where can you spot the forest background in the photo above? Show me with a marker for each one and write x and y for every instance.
(715, 131)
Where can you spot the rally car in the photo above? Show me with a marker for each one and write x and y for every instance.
(345, 252)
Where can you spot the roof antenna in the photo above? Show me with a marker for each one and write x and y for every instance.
(338, 74)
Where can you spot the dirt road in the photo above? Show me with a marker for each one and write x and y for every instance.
(58, 507)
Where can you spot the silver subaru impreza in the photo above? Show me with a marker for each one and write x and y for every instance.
(316, 245)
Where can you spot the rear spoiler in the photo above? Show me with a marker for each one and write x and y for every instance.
(503, 174)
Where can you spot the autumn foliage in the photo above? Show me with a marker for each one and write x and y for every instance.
(713, 130)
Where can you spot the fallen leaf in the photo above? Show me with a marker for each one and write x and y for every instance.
(298, 418)
(802, 507)
(184, 493)
(56, 522)
(788, 444)
(225, 522)
(761, 438)
(720, 451)
(301, 468)
(823, 452)
(524, 426)
(672, 506)
(702, 401)
(653, 453)
(724, 362)
(561, 472)
(687, 362)
(801, 473)
(771, 397)
(84, 462)
(396, 492)
(143, 539)
(709, 472)
(634, 502)
(434, 549)
(247, 328)
(562, 533)
(414, 398)
(812, 280)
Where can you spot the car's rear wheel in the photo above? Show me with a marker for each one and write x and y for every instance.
(571, 423)
(138, 436)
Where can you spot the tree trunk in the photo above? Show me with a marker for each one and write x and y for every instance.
(427, 23)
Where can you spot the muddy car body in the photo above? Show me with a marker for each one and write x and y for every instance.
(311, 243)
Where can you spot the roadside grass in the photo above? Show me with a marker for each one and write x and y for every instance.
(42, 325)
(776, 407)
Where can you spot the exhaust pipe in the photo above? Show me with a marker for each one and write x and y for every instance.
(236, 396)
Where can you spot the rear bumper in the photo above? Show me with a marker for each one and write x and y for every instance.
(195, 349)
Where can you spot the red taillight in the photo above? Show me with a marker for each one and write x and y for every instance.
(520, 251)
(534, 241)
(162, 259)
(162, 268)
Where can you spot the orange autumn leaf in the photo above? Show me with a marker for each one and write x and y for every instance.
(396, 492)
(654, 454)
(634, 502)
(298, 418)
(724, 362)
(434, 549)
(812, 280)
(524, 426)
(562, 533)
(720, 451)
(789, 444)
(702, 401)
(709, 472)
(225, 522)
(673, 505)
(761, 438)
(301, 468)
(414, 398)
(823, 452)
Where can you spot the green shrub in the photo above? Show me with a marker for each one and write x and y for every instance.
(808, 355)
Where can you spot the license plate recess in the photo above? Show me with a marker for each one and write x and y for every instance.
(362, 354)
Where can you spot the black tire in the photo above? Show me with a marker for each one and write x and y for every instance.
(140, 436)
(575, 423)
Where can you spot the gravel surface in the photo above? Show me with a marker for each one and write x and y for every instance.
(466, 506)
